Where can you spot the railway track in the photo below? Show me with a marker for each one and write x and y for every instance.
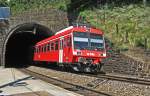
(126, 79)
(105, 78)
(83, 90)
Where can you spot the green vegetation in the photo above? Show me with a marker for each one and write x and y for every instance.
(19, 6)
(3, 3)
(126, 26)
(125, 22)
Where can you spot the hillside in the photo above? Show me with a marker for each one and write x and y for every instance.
(126, 26)
(125, 22)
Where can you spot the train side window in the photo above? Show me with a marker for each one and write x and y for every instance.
(56, 45)
(39, 49)
(52, 46)
(45, 48)
(49, 46)
(65, 43)
(42, 49)
(69, 41)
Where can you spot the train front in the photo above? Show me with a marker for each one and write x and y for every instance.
(88, 49)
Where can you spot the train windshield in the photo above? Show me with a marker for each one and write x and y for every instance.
(89, 41)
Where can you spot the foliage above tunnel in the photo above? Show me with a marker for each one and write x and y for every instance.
(125, 26)
(71, 5)
(126, 20)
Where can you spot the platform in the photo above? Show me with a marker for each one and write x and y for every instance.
(16, 83)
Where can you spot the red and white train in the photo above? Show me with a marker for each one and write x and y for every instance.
(79, 47)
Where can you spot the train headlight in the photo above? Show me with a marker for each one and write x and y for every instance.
(77, 53)
(104, 54)
(74, 53)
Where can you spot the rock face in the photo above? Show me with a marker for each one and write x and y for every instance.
(124, 64)
(43, 21)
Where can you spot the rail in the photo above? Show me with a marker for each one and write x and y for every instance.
(66, 85)
(123, 79)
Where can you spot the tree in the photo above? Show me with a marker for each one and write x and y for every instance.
(3, 3)
(144, 2)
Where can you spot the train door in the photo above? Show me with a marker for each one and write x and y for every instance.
(61, 50)
(67, 49)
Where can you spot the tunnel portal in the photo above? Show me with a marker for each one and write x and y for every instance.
(19, 44)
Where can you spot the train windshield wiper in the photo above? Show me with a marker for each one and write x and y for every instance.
(100, 48)
(96, 48)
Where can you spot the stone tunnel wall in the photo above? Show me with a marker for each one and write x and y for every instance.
(51, 18)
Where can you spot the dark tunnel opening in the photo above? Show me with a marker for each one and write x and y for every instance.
(20, 44)
(19, 49)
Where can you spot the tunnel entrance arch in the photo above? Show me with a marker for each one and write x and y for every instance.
(18, 45)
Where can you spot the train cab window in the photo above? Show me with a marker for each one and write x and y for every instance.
(56, 45)
(52, 46)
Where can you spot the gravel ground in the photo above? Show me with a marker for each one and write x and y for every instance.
(70, 77)
(114, 88)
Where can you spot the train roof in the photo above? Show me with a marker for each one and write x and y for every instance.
(64, 30)
(69, 30)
